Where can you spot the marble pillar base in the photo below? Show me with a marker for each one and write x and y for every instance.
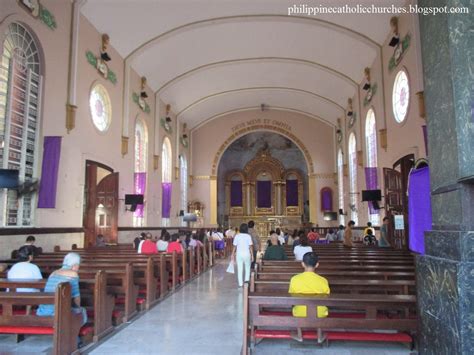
(445, 286)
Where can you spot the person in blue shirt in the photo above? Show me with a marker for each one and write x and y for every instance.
(67, 273)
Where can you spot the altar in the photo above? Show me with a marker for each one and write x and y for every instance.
(265, 192)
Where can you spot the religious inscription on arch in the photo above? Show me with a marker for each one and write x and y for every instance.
(259, 124)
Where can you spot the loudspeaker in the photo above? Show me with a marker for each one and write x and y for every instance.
(181, 213)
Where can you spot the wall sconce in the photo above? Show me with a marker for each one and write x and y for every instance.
(168, 118)
(105, 43)
(367, 79)
(396, 37)
(143, 93)
(349, 107)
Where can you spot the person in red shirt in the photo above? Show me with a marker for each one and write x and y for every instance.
(313, 236)
(175, 244)
(149, 247)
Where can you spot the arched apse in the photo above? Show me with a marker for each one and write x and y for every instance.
(245, 148)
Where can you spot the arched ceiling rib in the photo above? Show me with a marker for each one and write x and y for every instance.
(200, 55)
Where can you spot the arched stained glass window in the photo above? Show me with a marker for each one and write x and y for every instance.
(140, 176)
(183, 174)
(166, 184)
(340, 186)
(20, 108)
(353, 178)
(371, 169)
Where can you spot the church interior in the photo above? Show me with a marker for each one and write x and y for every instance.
(124, 122)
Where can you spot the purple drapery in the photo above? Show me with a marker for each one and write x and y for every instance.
(419, 208)
(425, 137)
(371, 184)
(264, 194)
(166, 199)
(49, 172)
(292, 192)
(236, 193)
(326, 199)
(140, 186)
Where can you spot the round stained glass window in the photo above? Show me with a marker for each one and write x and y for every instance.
(400, 96)
(101, 110)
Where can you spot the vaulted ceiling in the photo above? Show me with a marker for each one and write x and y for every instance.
(209, 57)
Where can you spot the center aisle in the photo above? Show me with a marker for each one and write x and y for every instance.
(204, 317)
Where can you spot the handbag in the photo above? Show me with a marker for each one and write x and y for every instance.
(230, 268)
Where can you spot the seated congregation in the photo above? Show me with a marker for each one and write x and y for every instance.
(81, 295)
(344, 289)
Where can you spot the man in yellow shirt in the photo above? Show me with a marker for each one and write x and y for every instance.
(309, 283)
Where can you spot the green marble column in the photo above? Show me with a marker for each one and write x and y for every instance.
(445, 274)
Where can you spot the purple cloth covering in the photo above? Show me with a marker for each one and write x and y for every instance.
(326, 199)
(236, 193)
(371, 184)
(264, 194)
(419, 208)
(166, 199)
(49, 172)
(292, 192)
(140, 187)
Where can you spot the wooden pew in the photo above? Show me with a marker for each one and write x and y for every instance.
(64, 325)
(370, 307)
(337, 274)
(100, 303)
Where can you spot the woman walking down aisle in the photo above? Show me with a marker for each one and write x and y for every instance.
(243, 247)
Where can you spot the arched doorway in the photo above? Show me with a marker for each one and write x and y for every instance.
(100, 203)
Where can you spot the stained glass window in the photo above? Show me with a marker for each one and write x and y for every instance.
(340, 186)
(371, 151)
(401, 96)
(166, 183)
(20, 108)
(353, 178)
(100, 107)
(140, 176)
(183, 174)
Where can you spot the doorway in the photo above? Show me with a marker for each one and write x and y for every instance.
(396, 198)
(101, 203)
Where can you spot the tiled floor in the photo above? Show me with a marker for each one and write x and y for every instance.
(205, 317)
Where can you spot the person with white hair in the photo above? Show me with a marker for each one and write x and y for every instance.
(67, 273)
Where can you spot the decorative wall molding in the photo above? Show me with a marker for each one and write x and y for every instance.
(156, 160)
(101, 67)
(124, 146)
(70, 117)
(370, 94)
(399, 52)
(383, 138)
(141, 103)
(37, 10)
(322, 175)
(201, 177)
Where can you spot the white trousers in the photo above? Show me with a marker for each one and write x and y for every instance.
(243, 261)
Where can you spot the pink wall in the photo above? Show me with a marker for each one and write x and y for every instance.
(317, 137)
(403, 139)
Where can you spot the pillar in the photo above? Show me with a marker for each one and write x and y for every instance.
(313, 212)
(444, 274)
(213, 199)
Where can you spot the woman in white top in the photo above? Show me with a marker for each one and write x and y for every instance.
(25, 269)
(244, 250)
(162, 243)
(301, 249)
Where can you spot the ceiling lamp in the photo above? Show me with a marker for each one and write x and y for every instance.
(103, 52)
(367, 79)
(143, 93)
(395, 37)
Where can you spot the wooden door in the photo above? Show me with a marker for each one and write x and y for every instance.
(106, 216)
(394, 206)
(101, 206)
